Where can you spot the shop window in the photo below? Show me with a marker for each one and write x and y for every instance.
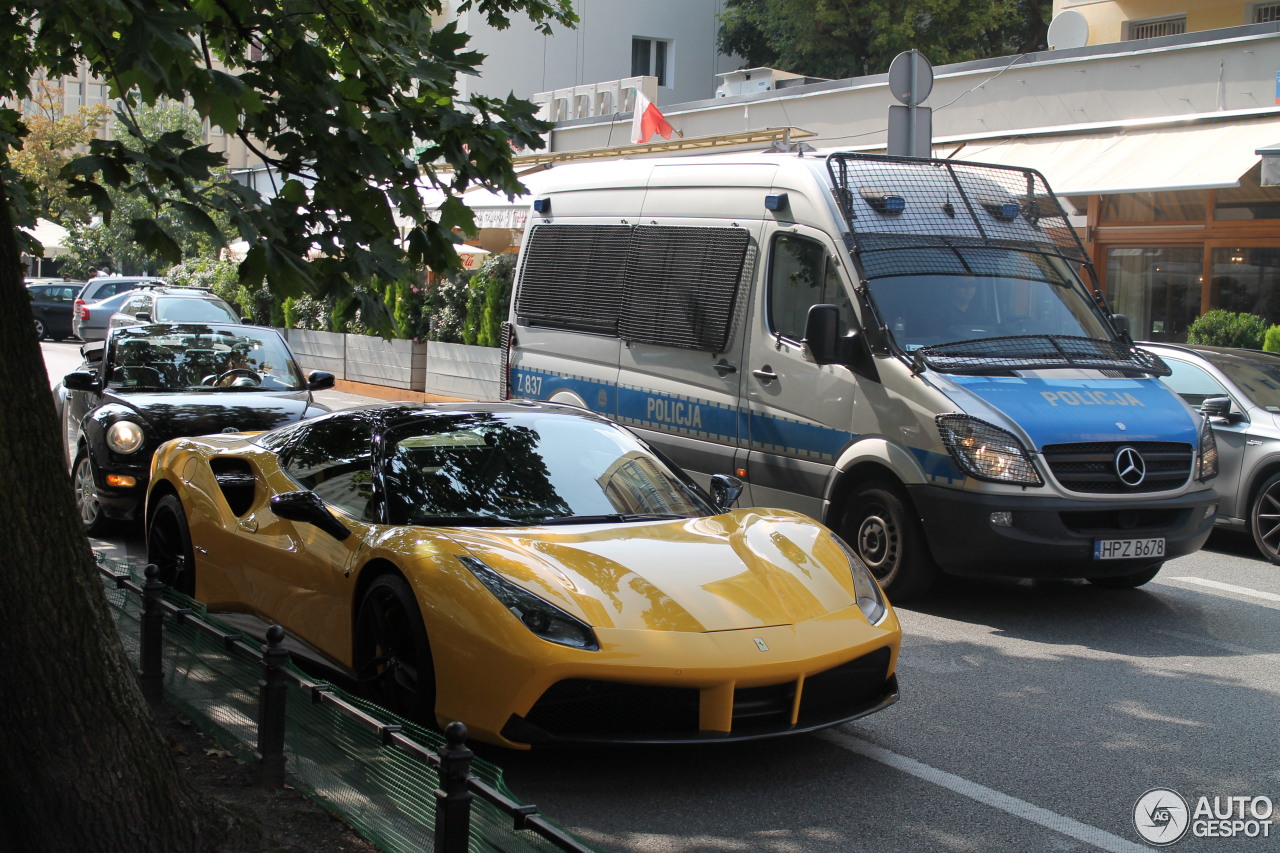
(1250, 200)
(1157, 288)
(1154, 27)
(1131, 208)
(1247, 280)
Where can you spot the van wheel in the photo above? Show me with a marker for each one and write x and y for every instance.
(884, 531)
(1132, 581)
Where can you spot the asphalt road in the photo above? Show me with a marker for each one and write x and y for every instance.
(1034, 717)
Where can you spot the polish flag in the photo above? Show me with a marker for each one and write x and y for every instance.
(646, 121)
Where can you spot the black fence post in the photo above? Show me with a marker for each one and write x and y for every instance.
(271, 708)
(151, 637)
(453, 797)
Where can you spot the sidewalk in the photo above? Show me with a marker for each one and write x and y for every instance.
(348, 395)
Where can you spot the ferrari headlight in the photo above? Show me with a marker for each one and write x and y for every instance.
(870, 597)
(124, 437)
(1208, 462)
(541, 617)
(987, 452)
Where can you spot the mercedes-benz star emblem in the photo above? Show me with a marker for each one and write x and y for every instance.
(1130, 466)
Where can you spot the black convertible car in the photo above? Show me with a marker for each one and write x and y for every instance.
(146, 384)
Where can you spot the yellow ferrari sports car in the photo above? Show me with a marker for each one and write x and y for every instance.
(533, 570)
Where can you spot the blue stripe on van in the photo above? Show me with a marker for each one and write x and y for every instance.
(689, 416)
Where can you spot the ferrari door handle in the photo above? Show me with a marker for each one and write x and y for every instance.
(764, 374)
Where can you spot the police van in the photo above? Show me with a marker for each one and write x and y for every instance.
(914, 351)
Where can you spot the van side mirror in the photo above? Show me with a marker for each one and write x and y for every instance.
(725, 491)
(307, 508)
(1220, 407)
(822, 334)
(1121, 324)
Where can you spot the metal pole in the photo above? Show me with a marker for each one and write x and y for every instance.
(271, 710)
(453, 797)
(151, 638)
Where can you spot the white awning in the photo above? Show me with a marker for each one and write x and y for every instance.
(1185, 157)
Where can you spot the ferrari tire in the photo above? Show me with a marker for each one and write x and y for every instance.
(1132, 581)
(169, 545)
(881, 527)
(392, 656)
(88, 500)
(1264, 519)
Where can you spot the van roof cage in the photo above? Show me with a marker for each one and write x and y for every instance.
(915, 215)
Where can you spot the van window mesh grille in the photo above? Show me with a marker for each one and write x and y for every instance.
(675, 286)
(573, 276)
(922, 217)
(681, 286)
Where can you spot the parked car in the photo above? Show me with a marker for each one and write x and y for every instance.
(90, 319)
(147, 384)
(165, 304)
(1239, 391)
(52, 302)
(530, 569)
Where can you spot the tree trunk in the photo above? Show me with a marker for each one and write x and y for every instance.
(82, 766)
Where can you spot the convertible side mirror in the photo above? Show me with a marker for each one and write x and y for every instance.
(307, 508)
(725, 491)
(320, 380)
(82, 380)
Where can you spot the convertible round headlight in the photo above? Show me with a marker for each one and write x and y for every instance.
(124, 437)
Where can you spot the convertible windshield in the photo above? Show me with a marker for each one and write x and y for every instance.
(528, 469)
(1009, 294)
(195, 357)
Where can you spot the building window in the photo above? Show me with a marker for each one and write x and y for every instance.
(1266, 13)
(1157, 288)
(1154, 27)
(1246, 280)
(649, 58)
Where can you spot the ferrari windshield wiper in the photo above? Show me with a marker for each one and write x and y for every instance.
(612, 517)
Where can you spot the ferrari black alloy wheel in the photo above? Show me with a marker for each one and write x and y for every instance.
(169, 545)
(392, 657)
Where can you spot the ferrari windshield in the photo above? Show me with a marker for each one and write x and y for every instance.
(536, 468)
(995, 293)
(198, 357)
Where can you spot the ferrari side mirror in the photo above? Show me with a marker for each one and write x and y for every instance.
(307, 508)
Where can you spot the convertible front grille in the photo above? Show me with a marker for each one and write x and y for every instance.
(578, 710)
(1090, 467)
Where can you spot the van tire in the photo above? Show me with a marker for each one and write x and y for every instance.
(883, 529)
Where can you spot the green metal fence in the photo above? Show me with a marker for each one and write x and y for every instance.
(353, 757)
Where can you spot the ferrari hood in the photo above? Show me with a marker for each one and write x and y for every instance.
(743, 569)
(173, 415)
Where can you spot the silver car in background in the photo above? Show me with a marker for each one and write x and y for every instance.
(101, 297)
(1239, 391)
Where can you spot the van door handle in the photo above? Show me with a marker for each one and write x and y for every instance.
(765, 374)
(724, 368)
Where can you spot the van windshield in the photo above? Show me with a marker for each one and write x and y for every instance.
(1032, 294)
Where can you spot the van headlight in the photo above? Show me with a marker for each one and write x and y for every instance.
(870, 597)
(987, 452)
(540, 616)
(1208, 462)
(125, 437)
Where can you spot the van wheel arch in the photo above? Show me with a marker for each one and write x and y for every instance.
(876, 517)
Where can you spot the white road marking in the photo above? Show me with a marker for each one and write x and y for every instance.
(1226, 587)
(1090, 835)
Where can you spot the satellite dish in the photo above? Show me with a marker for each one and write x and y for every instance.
(1068, 29)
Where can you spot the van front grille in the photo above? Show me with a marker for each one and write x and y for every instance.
(1091, 468)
